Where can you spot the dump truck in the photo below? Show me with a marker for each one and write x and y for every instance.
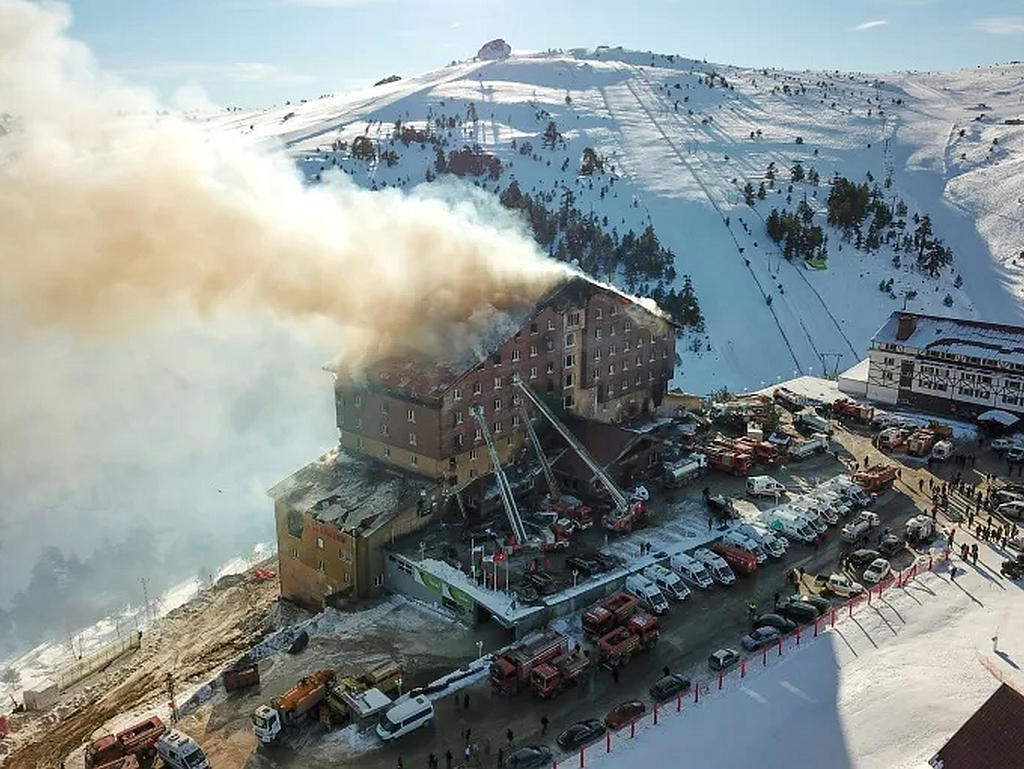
(616, 648)
(809, 419)
(816, 444)
(136, 742)
(613, 610)
(514, 668)
(268, 721)
(788, 399)
(762, 451)
(858, 412)
(549, 679)
(875, 478)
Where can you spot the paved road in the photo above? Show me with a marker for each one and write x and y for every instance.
(707, 621)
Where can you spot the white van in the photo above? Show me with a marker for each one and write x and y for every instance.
(764, 486)
(791, 525)
(690, 569)
(773, 544)
(815, 508)
(179, 751)
(716, 565)
(668, 582)
(648, 593)
(404, 717)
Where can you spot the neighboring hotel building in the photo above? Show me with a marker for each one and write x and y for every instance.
(408, 439)
(947, 364)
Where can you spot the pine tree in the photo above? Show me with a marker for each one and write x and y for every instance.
(748, 194)
(796, 173)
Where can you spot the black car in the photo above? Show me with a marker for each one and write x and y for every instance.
(776, 621)
(580, 733)
(798, 611)
(584, 564)
(529, 757)
(890, 545)
(723, 659)
(669, 686)
(542, 582)
(823, 605)
(861, 558)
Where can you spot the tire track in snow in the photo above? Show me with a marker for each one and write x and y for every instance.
(718, 210)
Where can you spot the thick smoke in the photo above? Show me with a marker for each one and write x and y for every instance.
(109, 210)
(149, 390)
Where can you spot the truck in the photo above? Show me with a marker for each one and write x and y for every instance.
(790, 524)
(761, 450)
(179, 751)
(616, 648)
(650, 597)
(809, 419)
(729, 460)
(668, 582)
(137, 742)
(764, 486)
(741, 561)
(920, 442)
(613, 610)
(691, 570)
(241, 675)
(816, 444)
(572, 508)
(513, 669)
(788, 399)
(549, 679)
(850, 491)
(920, 528)
(892, 438)
(942, 450)
(269, 721)
(721, 506)
(685, 470)
(854, 530)
(719, 569)
(875, 478)
(851, 409)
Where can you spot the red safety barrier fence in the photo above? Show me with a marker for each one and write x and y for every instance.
(702, 688)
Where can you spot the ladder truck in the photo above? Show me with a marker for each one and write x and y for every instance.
(504, 488)
(626, 512)
(569, 507)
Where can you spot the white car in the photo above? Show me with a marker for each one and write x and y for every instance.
(1012, 510)
(877, 571)
(1002, 444)
(842, 585)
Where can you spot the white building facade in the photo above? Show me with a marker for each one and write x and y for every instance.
(947, 365)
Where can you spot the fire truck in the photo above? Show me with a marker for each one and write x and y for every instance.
(858, 412)
(611, 612)
(639, 633)
(549, 679)
(875, 478)
(514, 668)
(729, 460)
(134, 744)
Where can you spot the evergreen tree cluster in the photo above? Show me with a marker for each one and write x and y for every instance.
(794, 229)
(682, 305)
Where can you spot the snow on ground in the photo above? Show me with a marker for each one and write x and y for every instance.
(886, 687)
(39, 665)
(682, 152)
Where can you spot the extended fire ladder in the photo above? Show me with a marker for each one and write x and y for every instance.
(504, 488)
(618, 498)
(549, 476)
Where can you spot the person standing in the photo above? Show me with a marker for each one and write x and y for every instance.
(501, 756)
(399, 763)
(448, 758)
(465, 702)
(432, 761)
(974, 553)
(543, 725)
(510, 736)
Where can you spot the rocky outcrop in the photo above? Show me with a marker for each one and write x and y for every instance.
(495, 50)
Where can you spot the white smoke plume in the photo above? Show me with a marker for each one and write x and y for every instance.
(167, 297)
(111, 209)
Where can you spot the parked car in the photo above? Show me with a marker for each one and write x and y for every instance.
(860, 558)
(623, 713)
(669, 686)
(877, 571)
(762, 636)
(723, 659)
(890, 545)
(580, 733)
(1015, 455)
(842, 585)
(1009, 495)
(542, 582)
(822, 605)
(798, 611)
(1011, 510)
(584, 564)
(776, 621)
(1002, 444)
(529, 757)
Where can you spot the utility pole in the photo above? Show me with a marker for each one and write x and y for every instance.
(145, 594)
(170, 695)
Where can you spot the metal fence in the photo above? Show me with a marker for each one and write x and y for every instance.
(71, 674)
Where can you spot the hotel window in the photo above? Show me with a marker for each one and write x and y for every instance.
(550, 368)
(414, 460)
(615, 310)
(570, 361)
(597, 354)
(611, 330)
(384, 407)
(568, 380)
(457, 394)
(497, 404)
(515, 420)
(478, 434)
(570, 339)
(476, 388)
(320, 566)
(358, 401)
(516, 399)
(650, 376)
(551, 324)
(595, 374)
(459, 440)
(638, 380)
(598, 313)
(411, 416)
(533, 351)
(497, 383)
(412, 439)
(533, 372)
(626, 327)
(638, 364)
(611, 369)
(597, 333)
(515, 355)
(640, 341)
(295, 553)
(625, 346)
(359, 423)
(533, 328)
(459, 417)
(624, 385)
(574, 319)
(472, 455)
(567, 401)
(497, 427)
(384, 430)
(359, 444)
(320, 543)
(612, 349)
(387, 451)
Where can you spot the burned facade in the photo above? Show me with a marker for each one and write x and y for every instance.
(589, 349)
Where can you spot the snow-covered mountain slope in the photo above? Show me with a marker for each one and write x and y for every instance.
(680, 139)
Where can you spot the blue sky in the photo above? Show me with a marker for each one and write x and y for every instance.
(253, 52)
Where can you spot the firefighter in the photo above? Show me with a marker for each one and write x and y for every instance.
(751, 610)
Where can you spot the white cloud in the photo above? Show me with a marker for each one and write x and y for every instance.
(871, 24)
(1000, 25)
(238, 71)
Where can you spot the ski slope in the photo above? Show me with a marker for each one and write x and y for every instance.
(683, 151)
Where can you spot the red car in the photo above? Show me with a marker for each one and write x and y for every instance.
(623, 713)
